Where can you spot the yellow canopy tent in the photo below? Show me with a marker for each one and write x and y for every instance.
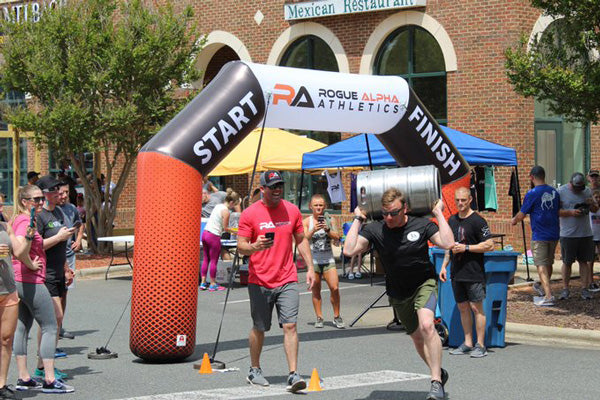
(279, 150)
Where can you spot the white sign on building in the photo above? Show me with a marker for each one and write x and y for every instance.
(326, 8)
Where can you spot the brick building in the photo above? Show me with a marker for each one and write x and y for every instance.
(452, 54)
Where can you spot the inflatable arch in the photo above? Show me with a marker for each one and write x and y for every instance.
(171, 165)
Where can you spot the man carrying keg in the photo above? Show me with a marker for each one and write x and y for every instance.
(401, 241)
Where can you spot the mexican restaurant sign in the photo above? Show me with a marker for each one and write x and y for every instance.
(326, 8)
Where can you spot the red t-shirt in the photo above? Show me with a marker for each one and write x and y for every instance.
(22, 273)
(272, 267)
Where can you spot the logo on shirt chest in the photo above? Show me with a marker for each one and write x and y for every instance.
(413, 236)
(271, 225)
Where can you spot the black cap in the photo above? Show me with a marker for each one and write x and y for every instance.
(48, 183)
(593, 172)
(270, 178)
(578, 181)
(32, 174)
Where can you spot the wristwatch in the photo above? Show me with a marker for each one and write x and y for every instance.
(466, 247)
(361, 219)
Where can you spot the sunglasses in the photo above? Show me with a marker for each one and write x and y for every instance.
(391, 213)
(36, 199)
(276, 186)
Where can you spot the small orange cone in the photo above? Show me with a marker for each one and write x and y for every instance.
(205, 367)
(315, 382)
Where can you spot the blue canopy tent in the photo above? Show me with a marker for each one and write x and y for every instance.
(366, 150)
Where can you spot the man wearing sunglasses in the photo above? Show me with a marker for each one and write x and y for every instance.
(402, 242)
(266, 232)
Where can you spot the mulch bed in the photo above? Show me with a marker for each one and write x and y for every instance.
(574, 312)
(85, 261)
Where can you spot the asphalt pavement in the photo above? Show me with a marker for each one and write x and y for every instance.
(363, 362)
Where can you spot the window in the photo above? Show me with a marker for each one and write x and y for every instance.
(413, 53)
(310, 52)
(6, 166)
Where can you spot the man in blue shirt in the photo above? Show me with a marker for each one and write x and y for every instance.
(542, 203)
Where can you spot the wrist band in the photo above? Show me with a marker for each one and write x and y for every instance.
(361, 219)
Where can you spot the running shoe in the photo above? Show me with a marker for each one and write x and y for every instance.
(7, 393)
(57, 387)
(460, 350)
(479, 351)
(543, 302)
(564, 294)
(358, 275)
(255, 377)
(351, 276)
(436, 392)
(39, 373)
(215, 288)
(65, 334)
(295, 383)
(31, 384)
(203, 286)
(60, 353)
(319, 322)
(594, 287)
(339, 322)
(586, 295)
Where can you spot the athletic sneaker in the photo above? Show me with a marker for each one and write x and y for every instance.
(319, 323)
(436, 392)
(39, 373)
(358, 275)
(564, 294)
(295, 383)
(65, 334)
(339, 322)
(59, 353)
(586, 295)
(57, 387)
(460, 350)
(543, 302)
(214, 288)
(537, 286)
(203, 286)
(7, 393)
(350, 276)
(479, 351)
(31, 384)
(594, 287)
(255, 377)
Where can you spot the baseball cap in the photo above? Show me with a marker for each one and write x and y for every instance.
(32, 174)
(270, 178)
(48, 183)
(578, 181)
(593, 172)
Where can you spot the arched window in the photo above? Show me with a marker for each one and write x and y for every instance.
(310, 52)
(414, 54)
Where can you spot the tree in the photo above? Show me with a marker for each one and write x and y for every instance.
(103, 75)
(562, 65)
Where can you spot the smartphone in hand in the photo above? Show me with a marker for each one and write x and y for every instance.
(32, 218)
(270, 235)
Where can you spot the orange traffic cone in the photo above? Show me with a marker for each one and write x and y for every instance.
(205, 367)
(315, 382)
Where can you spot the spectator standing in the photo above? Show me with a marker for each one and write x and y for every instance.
(576, 239)
(211, 241)
(266, 233)
(320, 233)
(594, 180)
(72, 220)
(32, 177)
(402, 243)
(472, 235)
(210, 200)
(35, 300)
(542, 203)
(52, 226)
(595, 223)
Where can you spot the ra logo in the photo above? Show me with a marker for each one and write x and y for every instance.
(288, 94)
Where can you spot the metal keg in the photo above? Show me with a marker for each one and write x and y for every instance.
(421, 187)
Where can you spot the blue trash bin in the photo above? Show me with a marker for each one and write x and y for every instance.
(500, 267)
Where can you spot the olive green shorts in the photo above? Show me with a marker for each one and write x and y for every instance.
(406, 309)
(320, 268)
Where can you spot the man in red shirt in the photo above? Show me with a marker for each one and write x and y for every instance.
(265, 233)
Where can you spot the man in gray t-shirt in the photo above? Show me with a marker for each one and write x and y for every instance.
(576, 240)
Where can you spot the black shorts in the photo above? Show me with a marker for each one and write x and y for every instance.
(57, 288)
(468, 291)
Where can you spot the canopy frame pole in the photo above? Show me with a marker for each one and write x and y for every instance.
(522, 224)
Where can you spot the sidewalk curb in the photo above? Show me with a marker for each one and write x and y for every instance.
(548, 335)
(99, 272)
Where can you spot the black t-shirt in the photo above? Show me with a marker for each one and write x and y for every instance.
(48, 225)
(404, 254)
(468, 266)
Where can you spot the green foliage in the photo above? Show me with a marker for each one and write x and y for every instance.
(562, 66)
(102, 75)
